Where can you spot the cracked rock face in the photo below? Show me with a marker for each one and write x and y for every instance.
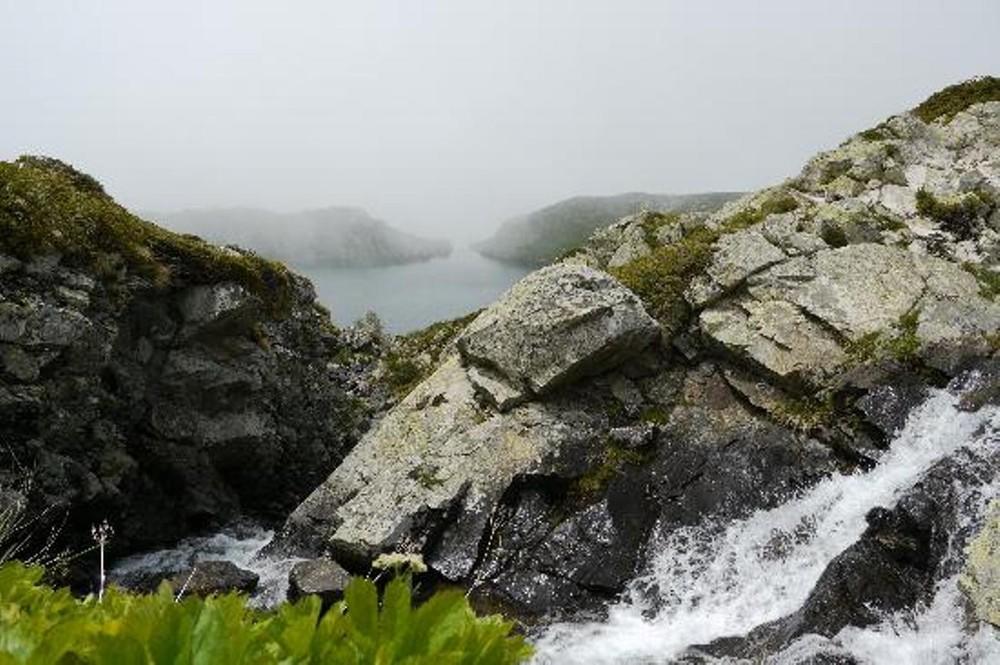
(438, 462)
(797, 317)
(556, 325)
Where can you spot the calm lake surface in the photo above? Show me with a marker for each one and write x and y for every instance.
(412, 296)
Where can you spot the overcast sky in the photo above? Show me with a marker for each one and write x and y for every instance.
(446, 117)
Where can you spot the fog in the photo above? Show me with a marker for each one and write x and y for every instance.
(444, 118)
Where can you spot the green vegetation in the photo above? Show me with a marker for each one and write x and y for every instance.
(46, 206)
(880, 132)
(652, 222)
(415, 355)
(834, 169)
(776, 203)
(597, 478)
(989, 280)
(957, 215)
(904, 346)
(956, 98)
(39, 625)
(803, 414)
(661, 277)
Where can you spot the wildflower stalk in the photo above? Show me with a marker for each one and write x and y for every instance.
(102, 534)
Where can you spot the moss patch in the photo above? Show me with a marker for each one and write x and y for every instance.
(46, 207)
(415, 355)
(652, 222)
(956, 98)
(904, 346)
(803, 414)
(600, 475)
(959, 214)
(661, 277)
(989, 280)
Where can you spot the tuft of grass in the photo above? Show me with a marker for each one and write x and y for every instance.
(46, 206)
(904, 346)
(661, 277)
(957, 215)
(777, 203)
(652, 222)
(948, 102)
(415, 355)
(989, 280)
(803, 414)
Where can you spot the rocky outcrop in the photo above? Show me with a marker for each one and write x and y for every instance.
(446, 455)
(556, 325)
(154, 380)
(797, 327)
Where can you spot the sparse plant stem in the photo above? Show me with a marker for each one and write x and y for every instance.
(102, 534)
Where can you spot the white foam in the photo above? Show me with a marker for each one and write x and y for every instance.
(240, 544)
(717, 582)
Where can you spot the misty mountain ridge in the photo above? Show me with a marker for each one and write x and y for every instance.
(335, 236)
(541, 236)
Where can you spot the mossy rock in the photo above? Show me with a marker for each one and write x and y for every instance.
(48, 207)
(946, 103)
(415, 355)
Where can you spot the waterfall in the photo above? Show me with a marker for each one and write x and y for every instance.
(712, 581)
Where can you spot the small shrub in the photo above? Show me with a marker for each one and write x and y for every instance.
(42, 625)
(661, 277)
(957, 215)
(776, 203)
(904, 346)
(956, 98)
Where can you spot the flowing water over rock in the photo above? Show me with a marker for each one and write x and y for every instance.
(712, 582)
(240, 544)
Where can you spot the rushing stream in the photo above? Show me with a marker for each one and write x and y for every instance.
(710, 583)
(239, 543)
(707, 583)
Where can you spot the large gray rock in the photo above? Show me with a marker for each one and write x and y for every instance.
(438, 461)
(558, 324)
(799, 317)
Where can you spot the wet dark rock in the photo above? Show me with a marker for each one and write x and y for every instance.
(169, 402)
(214, 577)
(318, 577)
(895, 565)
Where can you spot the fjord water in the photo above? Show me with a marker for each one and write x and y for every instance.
(414, 295)
(706, 583)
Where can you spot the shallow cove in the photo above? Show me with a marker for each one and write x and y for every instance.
(412, 296)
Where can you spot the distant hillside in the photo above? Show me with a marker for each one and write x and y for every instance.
(335, 236)
(541, 236)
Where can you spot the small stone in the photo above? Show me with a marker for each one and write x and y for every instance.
(215, 577)
(318, 577)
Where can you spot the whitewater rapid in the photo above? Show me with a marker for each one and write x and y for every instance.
(712, 582)
(241, 544)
